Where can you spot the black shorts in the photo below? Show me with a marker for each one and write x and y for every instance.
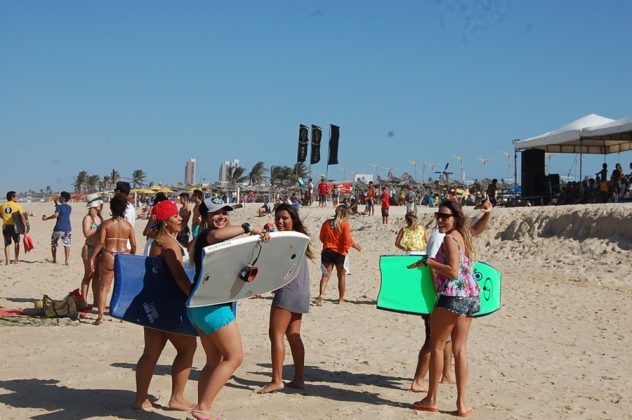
(462, 306)
(330, 256)
(8, 232)
(384, 212)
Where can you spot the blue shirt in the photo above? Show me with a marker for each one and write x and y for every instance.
(63, 218)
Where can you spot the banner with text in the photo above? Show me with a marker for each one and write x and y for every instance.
(302, 143)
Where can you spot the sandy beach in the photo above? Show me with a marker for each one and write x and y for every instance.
(557, 348)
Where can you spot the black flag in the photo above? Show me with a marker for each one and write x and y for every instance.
(317, 135)
(302, 143)
(333, 145)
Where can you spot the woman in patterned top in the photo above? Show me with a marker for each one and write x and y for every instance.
(458, 299)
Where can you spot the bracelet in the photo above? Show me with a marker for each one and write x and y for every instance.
(246, 227)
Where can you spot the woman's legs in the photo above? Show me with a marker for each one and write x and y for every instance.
(87, 272)
(342, 281)
(459, 346)
(323, 282)
(154, 344)
(224, 355)
(106, 276)
(293, 335)
(180, 369)
(442, 323)
(423, 361)
(279, 323)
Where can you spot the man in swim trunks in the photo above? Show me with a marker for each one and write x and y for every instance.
(370, 199)
(10, 210)
(62, 229)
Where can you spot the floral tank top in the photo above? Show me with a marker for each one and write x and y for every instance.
(464, 285)
(414, 239)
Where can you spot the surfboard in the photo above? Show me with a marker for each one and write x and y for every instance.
(18, 226)
(412, 291)
(242, 267)
(146, 294)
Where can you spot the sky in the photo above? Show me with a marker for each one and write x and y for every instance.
(148, 84)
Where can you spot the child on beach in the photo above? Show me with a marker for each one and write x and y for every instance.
(62, 229)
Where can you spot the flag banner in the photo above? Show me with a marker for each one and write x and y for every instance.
(317, 135)
(333, 145)
(302, 143)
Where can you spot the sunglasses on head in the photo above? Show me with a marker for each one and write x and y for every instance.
(439, 215)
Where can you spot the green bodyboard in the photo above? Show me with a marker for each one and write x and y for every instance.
(411, 290)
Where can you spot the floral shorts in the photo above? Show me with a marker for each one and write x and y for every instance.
(66, 238)
(462, 306)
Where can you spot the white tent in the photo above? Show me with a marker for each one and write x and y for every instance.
(567, 139)
(591, 134)
(612, 137)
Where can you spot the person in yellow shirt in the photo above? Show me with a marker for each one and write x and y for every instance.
(10, 210)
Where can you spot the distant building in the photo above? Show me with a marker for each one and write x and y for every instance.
(225, 169)
(189, 172)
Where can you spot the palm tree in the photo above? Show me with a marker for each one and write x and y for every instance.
(115, 176)
(300, 171)
(236, 175)
(93, 182)
(138, 178)
(257, 174)
(278, 174)
(106, 183)
(79, 182)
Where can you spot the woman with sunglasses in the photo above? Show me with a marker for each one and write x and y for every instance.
(289, 304)
(458, 299)
(216, 324)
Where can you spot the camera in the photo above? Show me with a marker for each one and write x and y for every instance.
(248, 273)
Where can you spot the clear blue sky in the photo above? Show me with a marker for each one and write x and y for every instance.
(97, 85)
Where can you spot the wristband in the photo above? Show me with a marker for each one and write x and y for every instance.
(246, 227)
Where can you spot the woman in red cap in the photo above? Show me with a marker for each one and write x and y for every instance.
(167, 224)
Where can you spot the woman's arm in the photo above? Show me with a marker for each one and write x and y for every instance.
(173, 259)
(132, 239)
(99, 245)
(228, 232)
(398, 240)
(481, 224)
(451, 269)
(86, 225)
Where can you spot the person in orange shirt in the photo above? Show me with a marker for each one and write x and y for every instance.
(386, 204)
(335, 234)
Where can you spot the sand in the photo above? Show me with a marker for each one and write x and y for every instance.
(557, 348)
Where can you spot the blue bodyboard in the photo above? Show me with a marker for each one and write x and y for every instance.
(146, 294)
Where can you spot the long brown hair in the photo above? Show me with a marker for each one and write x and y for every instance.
(297, 224)
(461, 225)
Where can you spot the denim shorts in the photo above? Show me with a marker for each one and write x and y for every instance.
(462, 306)
(211, 318)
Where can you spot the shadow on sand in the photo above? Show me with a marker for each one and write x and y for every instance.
(63, 403)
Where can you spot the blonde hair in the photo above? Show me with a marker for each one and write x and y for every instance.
(340, 215)
(411, 219)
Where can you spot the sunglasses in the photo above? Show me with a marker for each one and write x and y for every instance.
(439, 215)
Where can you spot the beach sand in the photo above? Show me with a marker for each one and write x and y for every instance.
(557, 348)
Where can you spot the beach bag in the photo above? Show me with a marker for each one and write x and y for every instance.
(80, 301)
(28, 242)
(60, 308)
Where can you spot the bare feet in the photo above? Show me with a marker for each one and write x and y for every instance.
(144, 406)
(341, 301)
(270, 388)
(464, 412)
(99, 321)
(198, 414)
(449, 379)
(296, 384)
(180, 404)
(425, 405)
(319, 301)
(416, 387)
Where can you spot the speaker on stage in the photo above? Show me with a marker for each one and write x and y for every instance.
(532, 173)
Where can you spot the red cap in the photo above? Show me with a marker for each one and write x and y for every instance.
(164, 210)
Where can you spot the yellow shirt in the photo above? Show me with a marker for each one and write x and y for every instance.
(414, 239)
(8, 209)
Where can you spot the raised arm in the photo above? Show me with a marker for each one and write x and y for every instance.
(481, 224)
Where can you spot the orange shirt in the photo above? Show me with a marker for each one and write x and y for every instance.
(337, 240)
